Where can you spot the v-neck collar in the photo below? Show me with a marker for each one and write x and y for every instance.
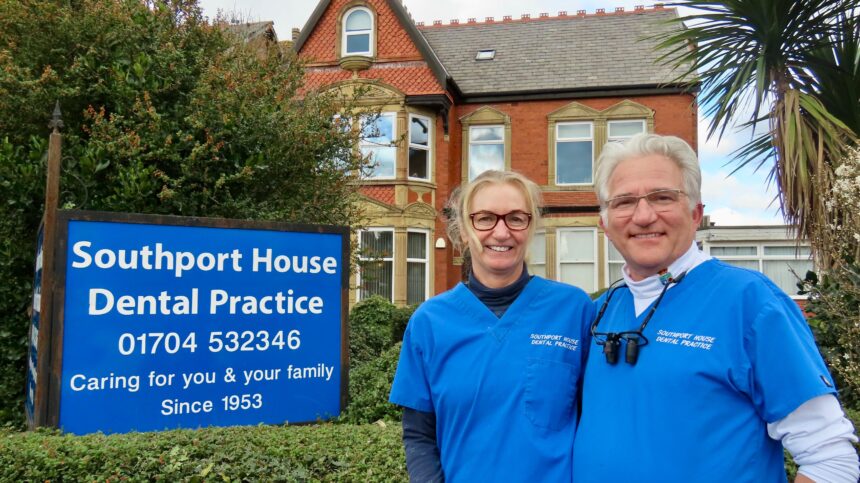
(500, 326)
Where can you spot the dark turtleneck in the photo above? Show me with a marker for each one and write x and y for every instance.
(499, 299)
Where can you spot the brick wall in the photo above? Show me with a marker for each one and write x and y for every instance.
(674, 114)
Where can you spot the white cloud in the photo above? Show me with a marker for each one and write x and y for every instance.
(730, 217)
(739, 199)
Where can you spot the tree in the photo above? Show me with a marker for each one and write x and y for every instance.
(164, 113)
(795, 62)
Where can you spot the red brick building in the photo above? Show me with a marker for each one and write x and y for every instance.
(536, 95)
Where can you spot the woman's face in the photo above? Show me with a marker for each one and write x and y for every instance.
(497, 261)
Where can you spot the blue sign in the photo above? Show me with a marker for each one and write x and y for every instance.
(168, 326)
(33, 343)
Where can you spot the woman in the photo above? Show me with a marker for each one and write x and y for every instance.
(489, 370)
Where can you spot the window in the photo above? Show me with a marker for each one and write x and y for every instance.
(624, 130)
(358, 32)
(537, 255)
(417, 264)
(577, 134)
(487, 54)
(574, 151)
(419, 147)
(782, 264)
(377, 143)
(577, 250)
(486, 149)
(376, 272)
(739, 256)
(614, 262)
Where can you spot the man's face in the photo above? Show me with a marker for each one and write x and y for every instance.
(648, 239)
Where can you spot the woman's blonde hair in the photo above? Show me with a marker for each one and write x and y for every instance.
(459, 205)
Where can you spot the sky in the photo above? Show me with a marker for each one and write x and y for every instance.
(743, 198)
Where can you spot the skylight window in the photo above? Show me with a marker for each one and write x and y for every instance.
(486, 54)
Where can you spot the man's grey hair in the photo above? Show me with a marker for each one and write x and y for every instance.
(642, 145)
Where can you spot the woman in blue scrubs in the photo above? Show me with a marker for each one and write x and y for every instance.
(489, 371)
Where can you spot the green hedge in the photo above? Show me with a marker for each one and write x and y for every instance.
(323, 452)
(369, 386)
(375, 325)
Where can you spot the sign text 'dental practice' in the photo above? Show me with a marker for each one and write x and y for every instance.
(169, 326)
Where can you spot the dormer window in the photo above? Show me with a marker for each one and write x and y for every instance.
(358, 32)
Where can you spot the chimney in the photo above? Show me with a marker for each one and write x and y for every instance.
(296, 34)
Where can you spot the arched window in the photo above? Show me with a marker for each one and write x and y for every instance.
(358, 32)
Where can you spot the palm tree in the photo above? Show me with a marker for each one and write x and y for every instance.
(796, 64)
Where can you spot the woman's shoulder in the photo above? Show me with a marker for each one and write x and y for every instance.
(560, 289)
(442, 301)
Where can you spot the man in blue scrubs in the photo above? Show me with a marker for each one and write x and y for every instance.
(698, 370)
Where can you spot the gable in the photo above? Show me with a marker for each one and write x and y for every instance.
(393, 40)
(400, 55)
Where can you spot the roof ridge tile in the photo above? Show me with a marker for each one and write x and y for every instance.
(562, 15)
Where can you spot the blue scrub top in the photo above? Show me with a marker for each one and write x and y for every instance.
(504, 390)
(729, 352)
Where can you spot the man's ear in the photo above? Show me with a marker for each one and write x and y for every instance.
(602, 225)
(698, 213)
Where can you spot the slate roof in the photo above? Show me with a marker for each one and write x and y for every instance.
(569, 53)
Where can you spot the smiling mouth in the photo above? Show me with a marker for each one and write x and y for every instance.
(645, 236)
(496, 248)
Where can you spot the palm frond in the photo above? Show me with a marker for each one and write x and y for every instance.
(795, 63)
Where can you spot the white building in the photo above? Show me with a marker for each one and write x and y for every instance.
(769, 249)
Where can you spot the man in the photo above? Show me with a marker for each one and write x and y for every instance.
(698, 370)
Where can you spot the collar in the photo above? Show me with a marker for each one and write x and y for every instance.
(499, 299)
(646, 290)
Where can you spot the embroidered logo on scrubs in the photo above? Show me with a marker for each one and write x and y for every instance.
(686, 339)
(555, 340)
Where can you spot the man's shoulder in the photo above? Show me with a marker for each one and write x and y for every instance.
(730, 279)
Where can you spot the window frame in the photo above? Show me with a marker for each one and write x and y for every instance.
(425, 261)
(594, 263)
(392, 259)
(610, 122)
(575, 111)
(607, 261)
(393, 143)
(371, 33)
(542, 236)
(558, 140)
(485, 143)
(428, 148)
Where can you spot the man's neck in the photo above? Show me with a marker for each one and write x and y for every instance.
(647, 289)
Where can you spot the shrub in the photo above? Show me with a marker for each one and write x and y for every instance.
(369, 386)
(834, 302)
(835, 307)
(163, 114)
(323, 452)
(375, 324)
(399, 320)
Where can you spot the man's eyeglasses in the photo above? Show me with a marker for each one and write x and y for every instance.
(611, 341)
(660, 200)
(487, 220)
